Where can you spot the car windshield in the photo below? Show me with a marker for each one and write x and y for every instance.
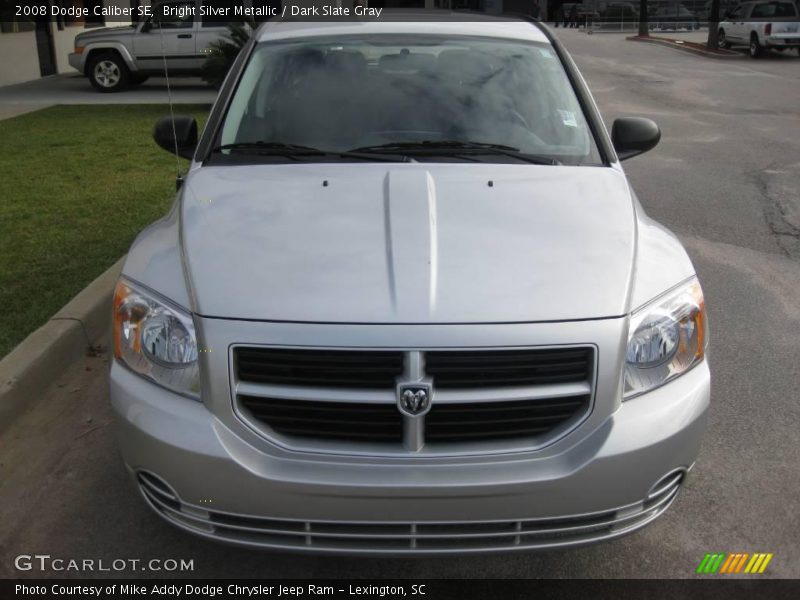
(427, 97)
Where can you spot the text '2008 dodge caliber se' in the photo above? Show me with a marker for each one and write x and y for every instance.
(406, 302)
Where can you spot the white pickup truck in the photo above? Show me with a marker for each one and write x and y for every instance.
(761, 25)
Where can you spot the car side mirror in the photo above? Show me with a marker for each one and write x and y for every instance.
(633, 136)
(180, 138)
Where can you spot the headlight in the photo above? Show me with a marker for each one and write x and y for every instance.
(667, 337)
(155, 339)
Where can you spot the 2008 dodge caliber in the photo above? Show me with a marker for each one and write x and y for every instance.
(406, 302)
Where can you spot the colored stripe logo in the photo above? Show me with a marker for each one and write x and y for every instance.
(737, 562)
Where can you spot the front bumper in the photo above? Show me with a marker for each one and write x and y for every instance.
(76, 61)
(203, 476)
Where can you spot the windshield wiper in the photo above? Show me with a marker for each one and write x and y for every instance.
(268, 147)
(456, 147)
(283, 149)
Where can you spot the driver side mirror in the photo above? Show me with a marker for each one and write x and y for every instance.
(632, 136)
(180, 138)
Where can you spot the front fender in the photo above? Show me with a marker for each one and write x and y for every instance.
(101, 46)
(155, 259)
(661, 260)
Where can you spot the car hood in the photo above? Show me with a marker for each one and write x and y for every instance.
(408, 243)
(105, 32)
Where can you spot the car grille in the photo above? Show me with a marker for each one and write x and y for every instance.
(480, 421)
(472, 369)
(323, 368)
(407, 537)
(344, 401)
(328, 420)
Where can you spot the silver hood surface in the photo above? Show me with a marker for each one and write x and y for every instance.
(408, 243)
(106, 32)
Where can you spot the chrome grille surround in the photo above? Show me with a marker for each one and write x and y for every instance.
(406, 538)
(413, 439)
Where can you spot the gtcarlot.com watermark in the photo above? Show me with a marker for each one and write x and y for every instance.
(45, 562)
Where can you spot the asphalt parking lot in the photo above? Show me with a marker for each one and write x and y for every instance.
(725, 178)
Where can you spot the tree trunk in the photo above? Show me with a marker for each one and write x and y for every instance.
(644, 29)
(713, 25)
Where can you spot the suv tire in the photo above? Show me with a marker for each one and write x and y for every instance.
(107, 72)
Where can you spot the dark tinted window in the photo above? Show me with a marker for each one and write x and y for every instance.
(174, 15)
(773, 9)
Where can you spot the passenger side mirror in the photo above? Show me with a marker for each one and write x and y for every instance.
(184, 133)
(633, 136)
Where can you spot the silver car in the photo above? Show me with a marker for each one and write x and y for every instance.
(406, 303)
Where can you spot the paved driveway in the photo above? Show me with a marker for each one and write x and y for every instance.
(725, 178)
(76, 89)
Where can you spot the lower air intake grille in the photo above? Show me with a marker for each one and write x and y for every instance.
(403, 537)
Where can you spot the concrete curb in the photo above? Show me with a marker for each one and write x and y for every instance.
(67, 336)
(684, 48)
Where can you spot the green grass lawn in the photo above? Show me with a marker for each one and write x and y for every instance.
(77, 183)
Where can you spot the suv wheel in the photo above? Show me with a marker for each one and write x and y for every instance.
(108, 73)
(722, 40)
(755, 47)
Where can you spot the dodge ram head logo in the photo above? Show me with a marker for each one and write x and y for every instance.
(414, 399)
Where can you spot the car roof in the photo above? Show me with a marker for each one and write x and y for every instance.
(407, 22)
